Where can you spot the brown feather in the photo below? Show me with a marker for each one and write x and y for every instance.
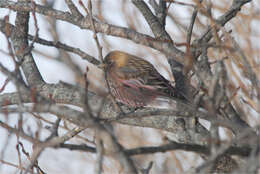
(135, 81)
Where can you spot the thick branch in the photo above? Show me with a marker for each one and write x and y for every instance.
(20, 43)
(221, 21)
(154, 23)
(240, 151)
(58, 44)
(100, 27)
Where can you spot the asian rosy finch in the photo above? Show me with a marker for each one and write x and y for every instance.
(134, 81)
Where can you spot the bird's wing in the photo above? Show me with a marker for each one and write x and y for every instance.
(132, 91)
(135, 68)
(165, 87)
(141, 74)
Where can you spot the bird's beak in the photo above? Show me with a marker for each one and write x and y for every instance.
(102, 66)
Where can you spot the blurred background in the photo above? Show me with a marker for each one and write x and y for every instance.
(244, 28)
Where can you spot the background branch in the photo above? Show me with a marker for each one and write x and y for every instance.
(214, 65)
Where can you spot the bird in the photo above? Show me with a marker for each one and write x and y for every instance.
(134, 81)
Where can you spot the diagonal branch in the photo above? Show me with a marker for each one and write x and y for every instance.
(152, 20)
(57, 44)
(73, 8)
(220, 22)
(161, 45)
(19, 38)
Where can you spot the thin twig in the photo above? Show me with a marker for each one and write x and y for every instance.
(14, 165)
(100, 156)
(30, 47)
(147, 170)
(73, 8)
(4, 85)
(55, 141)
(180, 3)
(89, 13)
(190, 28)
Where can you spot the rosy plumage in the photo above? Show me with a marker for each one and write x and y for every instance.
(134, 81)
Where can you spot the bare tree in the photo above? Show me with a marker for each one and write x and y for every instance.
(213, 59)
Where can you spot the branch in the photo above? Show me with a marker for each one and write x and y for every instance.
(42, 104)
(161, 45)
(58, 44)
(201, 149)
(73, 9)
(20, 44)
(221, 21)
(154, 23)
(20, 133)
(166, 123)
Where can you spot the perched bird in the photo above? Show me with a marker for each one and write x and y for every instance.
(134, 81)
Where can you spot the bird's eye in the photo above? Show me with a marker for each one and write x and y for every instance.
(110, 62)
